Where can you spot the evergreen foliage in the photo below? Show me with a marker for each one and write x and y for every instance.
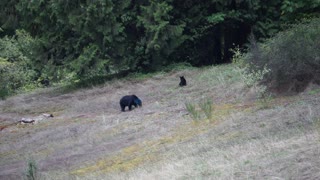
(81, 39)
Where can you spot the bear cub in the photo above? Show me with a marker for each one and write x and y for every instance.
(183, 81)
(130, 100)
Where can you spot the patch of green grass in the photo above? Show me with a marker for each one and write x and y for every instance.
(141, 76)
(91, 81)
(31, 172)
(177, 67)
(206, 107)
(314, 91)
(191, 108)
(262, 125)
(247, 162)
(220, 75)
(265, 102)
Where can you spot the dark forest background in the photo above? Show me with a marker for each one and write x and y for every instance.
(64, 40)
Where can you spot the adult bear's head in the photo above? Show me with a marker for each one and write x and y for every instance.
(137, 100)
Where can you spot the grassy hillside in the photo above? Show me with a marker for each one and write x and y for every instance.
(89, 138)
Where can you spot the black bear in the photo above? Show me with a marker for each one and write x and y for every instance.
(45, 82)
(183, 81)
(129, 101)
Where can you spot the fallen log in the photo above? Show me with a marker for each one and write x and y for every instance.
(26, 121)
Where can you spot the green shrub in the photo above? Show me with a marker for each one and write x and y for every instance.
(250, 74)
(16, 69)
(292, 56)
(13, 77)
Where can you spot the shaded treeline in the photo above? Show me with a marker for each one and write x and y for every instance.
(62, 39)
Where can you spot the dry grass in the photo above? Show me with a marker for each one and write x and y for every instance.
(89, 138)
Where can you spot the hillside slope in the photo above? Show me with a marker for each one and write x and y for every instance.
(89, 138)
